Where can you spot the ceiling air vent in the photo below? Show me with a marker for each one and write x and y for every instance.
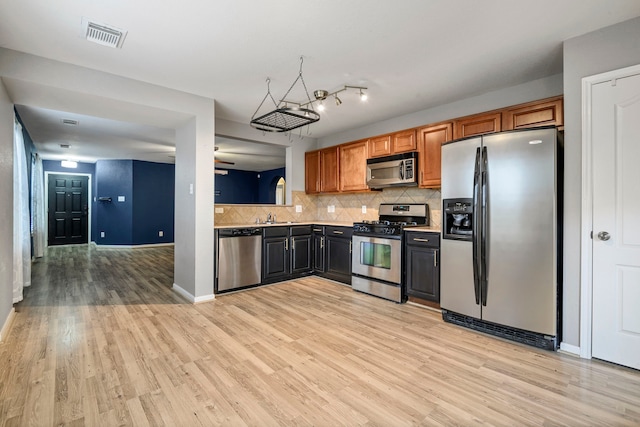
(105, 35)
(70, 122)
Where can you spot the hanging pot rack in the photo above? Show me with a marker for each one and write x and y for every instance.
(289, 115)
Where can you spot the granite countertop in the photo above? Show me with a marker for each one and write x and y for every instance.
(286, 224)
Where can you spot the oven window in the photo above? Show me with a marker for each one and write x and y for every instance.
(375, 254)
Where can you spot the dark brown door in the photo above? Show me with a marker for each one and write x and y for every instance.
(68, 209)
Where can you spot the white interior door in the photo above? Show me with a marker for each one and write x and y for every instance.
(616, 220)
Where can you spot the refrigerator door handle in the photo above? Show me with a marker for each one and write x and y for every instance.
(475, 236)
(484, 231)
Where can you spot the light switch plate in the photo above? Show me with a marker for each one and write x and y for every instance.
(121, 198)
(364, 208)
(219, 210)
(331, 208)
(298, 208)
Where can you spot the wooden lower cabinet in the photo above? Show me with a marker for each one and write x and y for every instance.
(286, 253)
(338, 254)
(318, 238)
(353, 166)
(430, 140)
(422, 274)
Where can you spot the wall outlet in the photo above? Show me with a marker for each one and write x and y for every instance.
(160, 233)
(121, 198)
(102, 234)
(298, 208)
(331, 208)
(364, 208)
(219, 210)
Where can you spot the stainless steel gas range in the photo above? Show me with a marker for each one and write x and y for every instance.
(378, 249)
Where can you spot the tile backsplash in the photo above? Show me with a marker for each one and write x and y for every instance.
(347, 207)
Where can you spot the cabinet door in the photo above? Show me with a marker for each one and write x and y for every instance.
(430, 140)
(275, 258)
(312, 172)
(300, 254)
(329, 165)
(423, 274)
(353, 166)
(546, 112)
(477, 125)
(338, 258)
(404, 141)
(318, 253)
(380, 146)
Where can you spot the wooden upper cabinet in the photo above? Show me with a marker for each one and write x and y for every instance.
(353, 166)
(380, 146)
(402, 142)
(430, 140)
(477, 124)
(329, 164)
(545, 112)
(312, 172)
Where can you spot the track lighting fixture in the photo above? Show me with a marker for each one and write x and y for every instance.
(285, 117)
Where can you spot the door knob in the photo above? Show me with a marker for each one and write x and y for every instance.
(603, 235)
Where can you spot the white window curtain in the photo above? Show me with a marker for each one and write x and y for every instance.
(37, 207)
(21, 234)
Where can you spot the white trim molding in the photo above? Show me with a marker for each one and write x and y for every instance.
(570, 349)
(7, 324)
(586, 259)
(194, 300)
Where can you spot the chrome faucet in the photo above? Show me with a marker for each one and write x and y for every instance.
(269, 217)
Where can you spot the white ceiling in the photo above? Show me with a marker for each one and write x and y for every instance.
(411, 54)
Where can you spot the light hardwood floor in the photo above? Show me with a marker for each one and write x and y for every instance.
(100, 339)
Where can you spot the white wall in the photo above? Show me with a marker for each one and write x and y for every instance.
(607, 49)
(6, 205)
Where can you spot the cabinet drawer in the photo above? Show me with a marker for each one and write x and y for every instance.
(345, 232)
(300, 230)
(431, 240)
(275, 232)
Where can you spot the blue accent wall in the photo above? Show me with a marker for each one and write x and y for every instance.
(244, 187)
(115, 219)
(236, 187)
(267, 185)
(148, 189)
(153, 202)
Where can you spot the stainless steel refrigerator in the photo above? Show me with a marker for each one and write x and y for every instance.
(500, 237)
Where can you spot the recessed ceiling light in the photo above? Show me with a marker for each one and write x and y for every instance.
(64, 146)
(70, 122)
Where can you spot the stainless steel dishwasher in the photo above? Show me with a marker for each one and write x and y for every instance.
(239, 258)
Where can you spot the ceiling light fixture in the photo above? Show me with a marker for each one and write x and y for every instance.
(69, 164)
(285, 118)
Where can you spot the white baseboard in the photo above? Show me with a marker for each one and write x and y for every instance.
(7, 324)
(150, 245)
(191, 298)
(570, 349)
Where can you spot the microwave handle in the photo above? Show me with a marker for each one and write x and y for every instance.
(402, 169)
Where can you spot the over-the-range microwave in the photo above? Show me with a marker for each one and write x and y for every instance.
(398, 170)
